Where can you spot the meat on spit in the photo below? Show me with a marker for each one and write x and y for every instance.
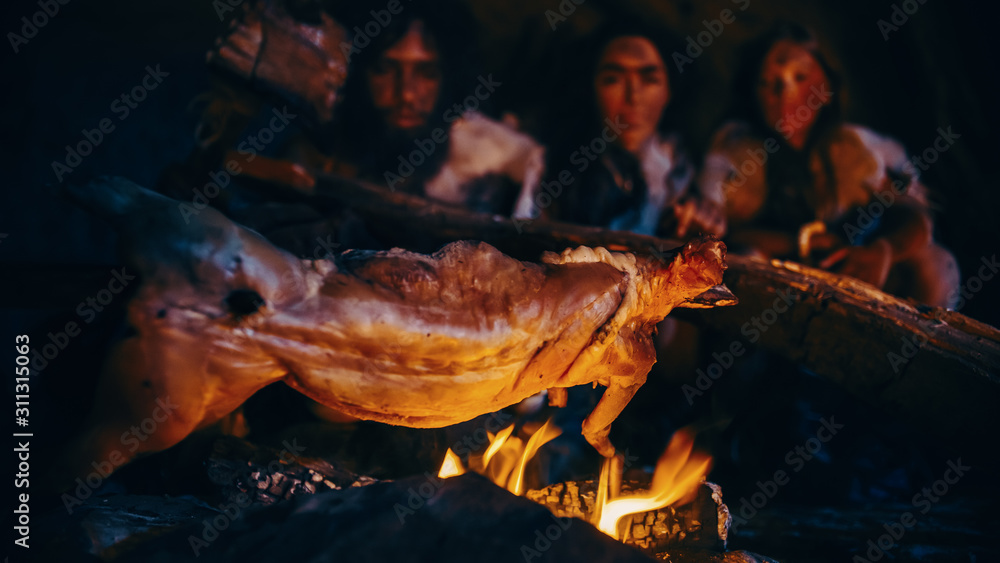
(392, 336)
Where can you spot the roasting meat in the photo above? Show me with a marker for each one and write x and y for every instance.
(397, 337)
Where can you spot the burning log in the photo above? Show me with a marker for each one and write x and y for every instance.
(674, 509)
(415, 519)
(701, 524)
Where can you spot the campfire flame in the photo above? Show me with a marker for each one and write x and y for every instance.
(505, 458)
(544, 435)
(496, 443)
(452, 465)
(678, 473)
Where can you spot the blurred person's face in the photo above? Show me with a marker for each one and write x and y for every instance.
(792, 91)
(406, 80)
(631, 83)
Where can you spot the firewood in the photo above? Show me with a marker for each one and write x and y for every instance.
(702, 523)
(421, 518)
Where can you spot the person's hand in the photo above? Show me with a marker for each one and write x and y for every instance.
(699, 216)
(868, 263)
(282, 172)
(823, 243)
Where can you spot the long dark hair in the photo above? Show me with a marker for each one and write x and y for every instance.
(745, 105)
(576, 121)
(450, 28)
(576, 112)
(818, 193)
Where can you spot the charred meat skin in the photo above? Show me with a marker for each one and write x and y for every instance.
(397, 337)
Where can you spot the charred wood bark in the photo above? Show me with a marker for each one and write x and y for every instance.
(420, 518)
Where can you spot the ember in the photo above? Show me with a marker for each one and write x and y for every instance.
(679, 472)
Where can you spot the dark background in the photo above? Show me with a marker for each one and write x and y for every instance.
(937, 70)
